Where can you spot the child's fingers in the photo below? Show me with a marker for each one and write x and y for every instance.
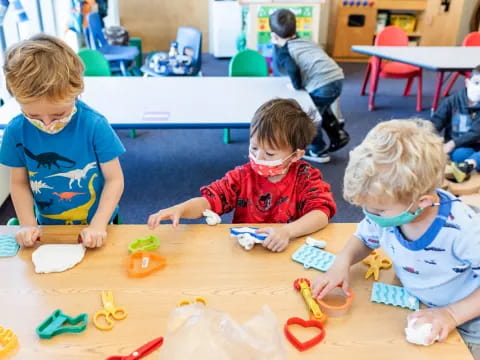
(329, 286)
(346, 287)
(318, 286)
(436, 329)
(443, 334)
(175, 219)
(151, 221)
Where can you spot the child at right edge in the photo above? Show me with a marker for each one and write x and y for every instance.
(432, 237)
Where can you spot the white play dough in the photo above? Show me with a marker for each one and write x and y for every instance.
(247, 241)
(57, 257)
(418, 335)
(317, 243)
(211, 217)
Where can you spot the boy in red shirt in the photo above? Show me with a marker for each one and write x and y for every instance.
(276, 186)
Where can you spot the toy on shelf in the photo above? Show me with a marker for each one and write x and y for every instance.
(144, 263)
(8, 246)
(303, 285)
(109, 312)
(333, 309)
(147, 243)
(141, 352)
(8, 340)
(59, 323)
(376, 263)
(247, 236)
(393, 295)
(197, 300)
(305, 345)
(311, 257)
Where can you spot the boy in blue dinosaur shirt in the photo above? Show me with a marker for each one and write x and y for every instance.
(63, 155)
(432, 237)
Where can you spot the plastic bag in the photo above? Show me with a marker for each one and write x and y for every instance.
(199, 332)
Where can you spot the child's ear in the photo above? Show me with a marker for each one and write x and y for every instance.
(426, 201)
(298, 155)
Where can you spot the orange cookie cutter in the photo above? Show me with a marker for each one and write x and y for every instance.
(376, 263)
(303, 286)
(337, 310)
(144, 263)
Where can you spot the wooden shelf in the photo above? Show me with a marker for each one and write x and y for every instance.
(419, 5)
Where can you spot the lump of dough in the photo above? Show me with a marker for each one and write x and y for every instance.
(212, 218)
(57, 257)
(418, 334)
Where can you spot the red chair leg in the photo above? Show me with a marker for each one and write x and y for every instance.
(374, 75)
(419, 91)
(408, 87)
(365, 79)
(451, 83)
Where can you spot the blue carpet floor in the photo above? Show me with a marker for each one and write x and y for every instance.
(164, 167)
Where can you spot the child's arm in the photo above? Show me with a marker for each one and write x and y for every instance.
(95, 234)
(354, 251)
(315, 204)
(23, 202)
(447, 318)
(442, 118)
(278, 238)
(285, 61)
(190, 209)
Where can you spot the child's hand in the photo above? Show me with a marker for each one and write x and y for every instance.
(337, 275)
(93, 237)
(27, 235)
(277, 240)
(449, 146)
(173, 213)
(442, 321)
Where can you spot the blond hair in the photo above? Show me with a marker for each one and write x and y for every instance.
(43, 67)
(399, 159)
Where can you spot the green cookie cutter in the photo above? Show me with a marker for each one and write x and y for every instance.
(59, 323)
(148, 243)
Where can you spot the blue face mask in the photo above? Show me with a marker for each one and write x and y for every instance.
(400, 219)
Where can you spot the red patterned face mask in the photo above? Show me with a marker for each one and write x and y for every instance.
(269, 168)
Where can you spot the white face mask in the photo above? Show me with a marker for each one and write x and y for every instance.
(55, 126)
(473, 89)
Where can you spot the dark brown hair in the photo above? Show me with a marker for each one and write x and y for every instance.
(283, 23)
(281, 123)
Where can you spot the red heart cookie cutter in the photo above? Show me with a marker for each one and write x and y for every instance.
(302, 346)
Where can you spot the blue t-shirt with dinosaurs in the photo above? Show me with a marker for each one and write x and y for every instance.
(63, 168)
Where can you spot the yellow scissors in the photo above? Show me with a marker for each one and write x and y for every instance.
(110, 311)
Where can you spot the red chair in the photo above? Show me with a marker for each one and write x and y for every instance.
(472, 39)
(391, 36)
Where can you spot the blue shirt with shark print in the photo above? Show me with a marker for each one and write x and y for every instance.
(63, 168)
(443, 265)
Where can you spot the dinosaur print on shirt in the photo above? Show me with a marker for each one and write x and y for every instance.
(76, 175)
(48, 159)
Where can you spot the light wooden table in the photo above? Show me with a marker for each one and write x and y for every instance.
(202, 261)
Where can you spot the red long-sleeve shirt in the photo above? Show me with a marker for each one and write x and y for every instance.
(257, 200)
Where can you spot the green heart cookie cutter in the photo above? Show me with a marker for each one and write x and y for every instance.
(148, 243)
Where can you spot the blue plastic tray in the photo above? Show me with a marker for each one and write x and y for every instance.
(312, 257)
